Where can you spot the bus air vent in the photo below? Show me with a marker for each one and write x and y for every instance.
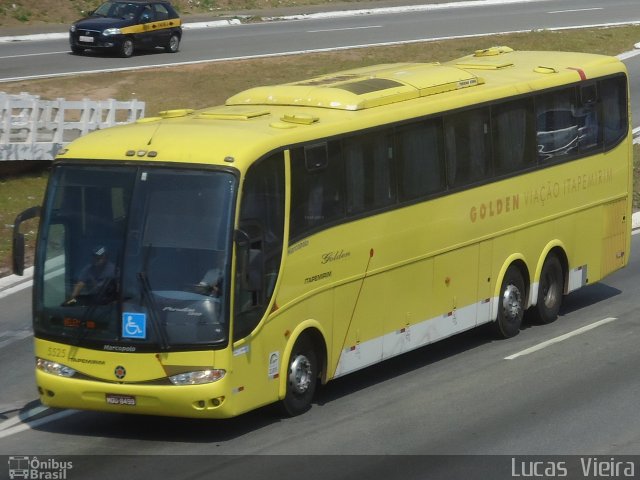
(490, 65)
(176, 113)
(544, 69)
(299, 118)
(492, 52)
(232, 114)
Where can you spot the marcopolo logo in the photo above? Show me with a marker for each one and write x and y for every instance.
(38, 469)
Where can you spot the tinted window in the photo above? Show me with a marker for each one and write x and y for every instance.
(613, 93)
(368, 172)
(467, 147)
(513, 136)
(420, 159)
(317, 196)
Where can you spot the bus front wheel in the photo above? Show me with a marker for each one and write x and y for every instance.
(550, 291)
(511, 304)
(302, 376)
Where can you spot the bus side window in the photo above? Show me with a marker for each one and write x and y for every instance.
(589, 125)
(513, 136)
(369, 179)
(613, 93)
(468, 147)
(258, 256)
(420, 154)
(317, 197)
(558, 123)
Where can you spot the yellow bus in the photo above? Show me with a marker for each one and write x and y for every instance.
(206, 263)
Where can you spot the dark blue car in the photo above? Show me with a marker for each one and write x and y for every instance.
(126, 26)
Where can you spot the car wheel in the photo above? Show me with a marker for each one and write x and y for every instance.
(77, 50)
(174, 44)
(126, 48)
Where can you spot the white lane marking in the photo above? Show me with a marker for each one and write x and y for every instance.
(346, 28)
(36, 423)
(11, 336)
(577, 10)
(15, 289)
(542, 345)
(33, 54)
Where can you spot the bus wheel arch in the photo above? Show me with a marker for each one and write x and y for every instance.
(551, 286)
(512, 299)
(305, 365)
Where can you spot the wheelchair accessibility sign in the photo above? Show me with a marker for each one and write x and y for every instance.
(134, 325)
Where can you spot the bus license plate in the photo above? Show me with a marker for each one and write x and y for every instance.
(121, 400)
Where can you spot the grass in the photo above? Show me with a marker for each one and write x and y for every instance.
(199, 86)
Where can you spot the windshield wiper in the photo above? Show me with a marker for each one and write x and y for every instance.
(163, 341)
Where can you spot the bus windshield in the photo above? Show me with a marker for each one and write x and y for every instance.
(135, 258)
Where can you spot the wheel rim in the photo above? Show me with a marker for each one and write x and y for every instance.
(173, 43)
(127, 48)
(300, 374)
(512, 302)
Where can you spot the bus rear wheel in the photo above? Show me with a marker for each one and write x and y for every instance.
(550, 291)
(302, 377)
(511, 304)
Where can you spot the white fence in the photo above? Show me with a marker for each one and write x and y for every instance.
(34, 129)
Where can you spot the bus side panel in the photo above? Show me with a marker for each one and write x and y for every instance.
(363, 306)
(412, 302)
(253, 383)
(614, 239)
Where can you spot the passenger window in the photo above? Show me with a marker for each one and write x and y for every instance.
(558, 121)
(513, 136)
(468, 145)
(369, 180)
(613, 92)
(317, 196)
(588, 113)
(161, 12)
(420, 156)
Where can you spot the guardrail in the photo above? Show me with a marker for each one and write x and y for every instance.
(35, 129)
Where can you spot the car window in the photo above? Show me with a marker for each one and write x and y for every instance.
(147, 15)
(161, 12)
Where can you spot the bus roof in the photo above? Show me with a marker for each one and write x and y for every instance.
(259, 120)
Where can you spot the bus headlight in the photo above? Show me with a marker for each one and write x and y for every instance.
(54, 368)
(198, 377)
(111, 31)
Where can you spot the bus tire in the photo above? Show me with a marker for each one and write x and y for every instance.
(511, 304)
(302, 377)
(550, 291)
